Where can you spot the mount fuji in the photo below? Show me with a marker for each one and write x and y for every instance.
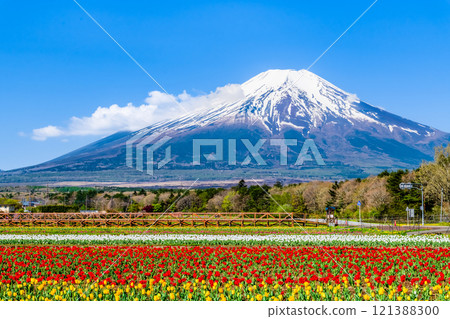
(354, 138)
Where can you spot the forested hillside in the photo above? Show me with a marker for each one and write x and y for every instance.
(380, 195)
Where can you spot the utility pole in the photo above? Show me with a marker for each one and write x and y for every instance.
(360, 221)
(29, 202)
(423, 207)
(407, 216)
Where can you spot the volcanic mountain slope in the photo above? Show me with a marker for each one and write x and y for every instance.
(352, 136)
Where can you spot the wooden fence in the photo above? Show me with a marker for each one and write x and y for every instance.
(169, 219)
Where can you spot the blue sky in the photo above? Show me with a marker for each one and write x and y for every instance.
(56, 64)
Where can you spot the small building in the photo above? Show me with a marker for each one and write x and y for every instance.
(7, 208)
(30, 203)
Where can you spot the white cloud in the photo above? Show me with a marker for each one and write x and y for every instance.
(352, 98)
(114, 118)
(158, 106)
(41, 134)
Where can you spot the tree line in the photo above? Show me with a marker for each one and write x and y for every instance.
(379, 195)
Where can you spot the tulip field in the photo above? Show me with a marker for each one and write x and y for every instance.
(188, 230)
(339, 271)
(227, 240)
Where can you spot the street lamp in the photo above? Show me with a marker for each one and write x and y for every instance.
(404, 186)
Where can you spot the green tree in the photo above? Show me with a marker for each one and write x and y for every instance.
(392, 186)
(241, 188)
(299, 206)
(333, 195)
(436, 175)
(134, 207)
(157, 207)
(278, 184)
(258, 199)
(227, 206)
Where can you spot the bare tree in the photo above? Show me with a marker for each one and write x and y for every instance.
(189, 202)
(215, 203)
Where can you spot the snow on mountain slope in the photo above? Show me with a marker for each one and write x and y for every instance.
(309, 97)
(355, 138)
(299, 99)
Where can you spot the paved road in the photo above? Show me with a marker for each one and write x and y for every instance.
(427, 230)
(347, 223)
(432, 230)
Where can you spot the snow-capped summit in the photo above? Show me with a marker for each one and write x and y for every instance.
(272, 80)
(278, 99)
(301, 80)
(280, 96)
(355, 138)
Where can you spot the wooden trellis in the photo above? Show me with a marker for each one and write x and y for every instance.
(169, 219)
